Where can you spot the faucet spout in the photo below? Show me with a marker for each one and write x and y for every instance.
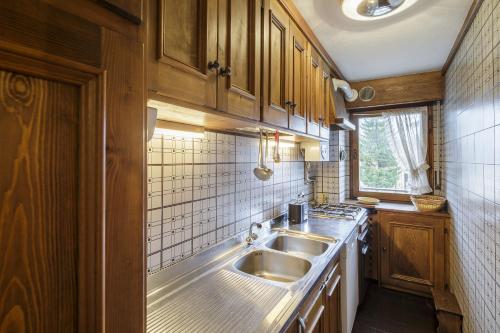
(251, 235)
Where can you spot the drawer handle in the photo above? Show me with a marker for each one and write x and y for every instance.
(334, 270)
(302, 324)
(330, 292)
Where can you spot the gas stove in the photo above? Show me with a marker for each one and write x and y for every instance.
(341, 211)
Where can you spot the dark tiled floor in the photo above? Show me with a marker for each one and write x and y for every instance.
(390, 311)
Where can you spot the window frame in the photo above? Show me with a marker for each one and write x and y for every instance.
(354, 149)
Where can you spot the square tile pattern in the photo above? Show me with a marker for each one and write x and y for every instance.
(332, 179)
(470, 134)
(202, 191)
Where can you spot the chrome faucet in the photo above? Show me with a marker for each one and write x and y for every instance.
(252, 236)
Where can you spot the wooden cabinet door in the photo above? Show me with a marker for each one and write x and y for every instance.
(314, 82)
(239, 55)
(275, 72)
(312, 314)
(333, 323)
(297, 84)
(186, 44)
(412, 256)
(328, 111)
(72, 136)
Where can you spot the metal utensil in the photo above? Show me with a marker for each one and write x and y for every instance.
(261, 171)
(269, 171)
(276, 155)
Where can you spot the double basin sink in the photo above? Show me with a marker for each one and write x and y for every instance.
(286, 263)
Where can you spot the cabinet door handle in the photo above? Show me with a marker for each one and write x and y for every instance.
(225, 71)
(384, 249)
(213, 65)
(287, 103)
(293, 105)
(329, 293)
(302, 324)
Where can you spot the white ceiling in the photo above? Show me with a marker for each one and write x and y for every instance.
(414, 41)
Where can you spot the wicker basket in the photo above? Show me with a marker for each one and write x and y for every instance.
(428, 203)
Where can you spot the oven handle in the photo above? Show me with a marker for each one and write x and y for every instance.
(364, 249)
(363, 235)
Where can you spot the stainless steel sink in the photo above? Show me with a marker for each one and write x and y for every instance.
(299, 245)
(273, 266)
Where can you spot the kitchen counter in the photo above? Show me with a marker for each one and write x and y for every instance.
(400, 207)
(206, 293)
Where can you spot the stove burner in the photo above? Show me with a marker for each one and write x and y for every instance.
(343, 211)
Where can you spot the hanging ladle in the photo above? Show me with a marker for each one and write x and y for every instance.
(276, 155)
(261, 171)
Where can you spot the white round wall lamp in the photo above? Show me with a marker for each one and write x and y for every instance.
(369, 10)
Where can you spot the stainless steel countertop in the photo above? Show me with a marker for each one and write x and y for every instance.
(206, 293)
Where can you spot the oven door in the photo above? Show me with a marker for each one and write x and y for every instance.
(363, 251)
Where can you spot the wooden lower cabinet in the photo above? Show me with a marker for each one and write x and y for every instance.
(320, 312)
(333, 322)
(412, 256)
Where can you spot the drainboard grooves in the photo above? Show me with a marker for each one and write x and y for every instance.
(224, 301)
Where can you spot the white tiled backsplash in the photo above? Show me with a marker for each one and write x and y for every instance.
(471, 165)
(332, 179)
(202, 191)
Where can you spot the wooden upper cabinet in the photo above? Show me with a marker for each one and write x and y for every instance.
(130, 9)
(314, 96)
(412, 253)
(328, 110)
(240, 57)
(187, 44)
(297, 77)
(275, 61)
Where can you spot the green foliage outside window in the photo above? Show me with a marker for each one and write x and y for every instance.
(377, 165)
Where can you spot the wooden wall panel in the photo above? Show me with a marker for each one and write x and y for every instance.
(125, 182)
(44, 27)
(82, 248)
(39, 204)
(408, 89)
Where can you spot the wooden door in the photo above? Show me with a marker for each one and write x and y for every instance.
(183, 62)
(297, 85)
(314, 82)
(328, 110)
(333, 321)
(72, 137)
(412, 256)
(239, 55)
(275, 72)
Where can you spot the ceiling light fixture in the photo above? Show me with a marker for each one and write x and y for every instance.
(369, 10)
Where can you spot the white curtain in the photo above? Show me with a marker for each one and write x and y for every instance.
(407, 131)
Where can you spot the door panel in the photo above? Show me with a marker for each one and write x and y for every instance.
(412, 255)
(187, 43)
(416, 263)
(275, 80)
(329, 107)
(39, 208)
(183, 28)
(239, 52)
(297, 87)
(313, 102)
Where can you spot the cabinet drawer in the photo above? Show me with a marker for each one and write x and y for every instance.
(311, 314)
(332, 279)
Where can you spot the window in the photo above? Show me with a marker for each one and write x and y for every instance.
(377, 169)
